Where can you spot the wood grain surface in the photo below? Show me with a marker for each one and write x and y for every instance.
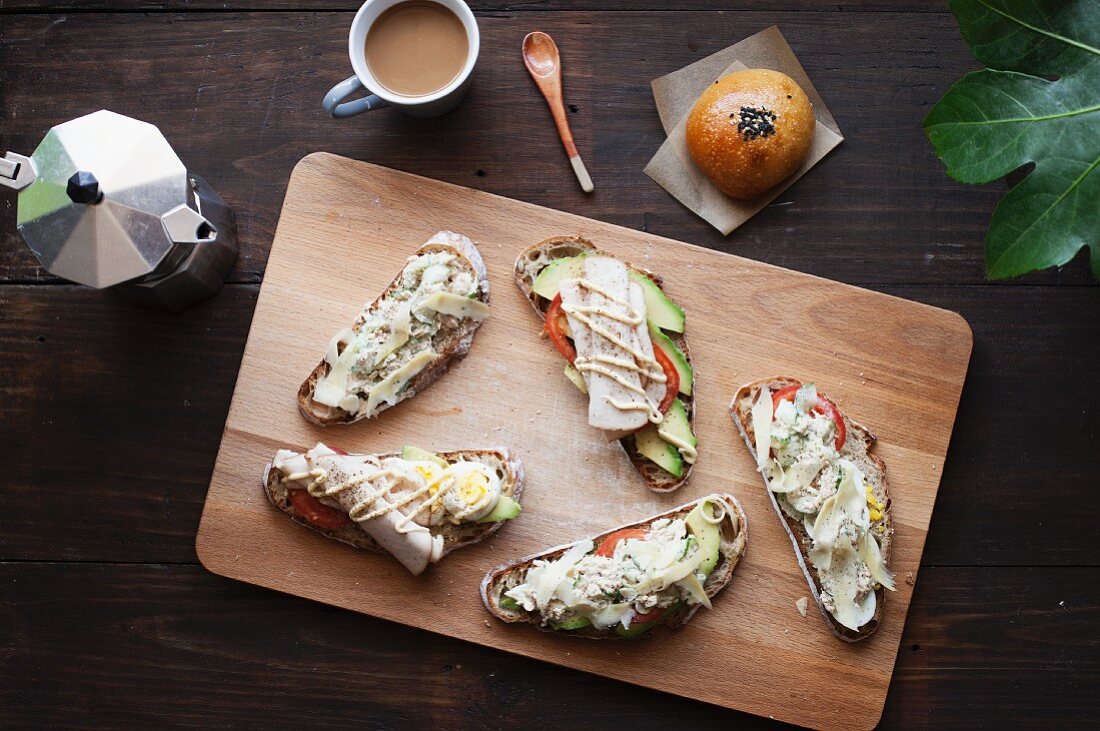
(238, 96)
(745, 320)
(256, 658)
(112, 415)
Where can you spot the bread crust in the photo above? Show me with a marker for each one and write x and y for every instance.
(455, 348)
(533, 260)
(507, 465)
(731, 549)
(857, 448)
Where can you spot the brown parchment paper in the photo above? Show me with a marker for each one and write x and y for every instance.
(675, 94)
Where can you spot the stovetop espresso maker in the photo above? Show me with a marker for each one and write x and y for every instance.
(105, 201)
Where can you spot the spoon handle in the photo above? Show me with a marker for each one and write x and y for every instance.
(552, 92)
(582, 173)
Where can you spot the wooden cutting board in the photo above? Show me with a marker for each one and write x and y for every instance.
(347, 228)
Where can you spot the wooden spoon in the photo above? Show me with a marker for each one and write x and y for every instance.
(540, 56)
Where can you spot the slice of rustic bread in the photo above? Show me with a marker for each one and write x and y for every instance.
(857, 448)
(450, 345)
(734, 532)
(533, 260)
(506, 465)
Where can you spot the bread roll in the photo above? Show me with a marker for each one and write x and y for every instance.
(750, 130)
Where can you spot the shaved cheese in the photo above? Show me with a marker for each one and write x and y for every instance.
(797, 476)
(456, 305)
(610, 615)
(762, 426)
(399, 333)
(844, 588)
(332, 352)
(871, 554)
(331, 389)
(695, 588)
(808, 524)
(664, 577)
(350, 403)
(718, 515)
(554, 572)
(842, 524)
(386, 390)
(849, 504)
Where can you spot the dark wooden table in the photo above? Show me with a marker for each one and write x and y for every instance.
(112, 415)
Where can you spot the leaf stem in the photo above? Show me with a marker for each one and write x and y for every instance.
(1020, 239)
(1049, 34)
(985, 122)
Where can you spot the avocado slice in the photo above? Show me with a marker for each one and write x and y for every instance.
(676, 425)
(636, 629)
(505, 509)
(576, 378)
(660, 310)
(655, 449)
(577, 622)
(416, 454)
(679, 360)
(507, 602)
(548, 280)
(707, 534)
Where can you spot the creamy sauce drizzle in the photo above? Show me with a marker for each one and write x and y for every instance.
(361, 512)
(689, 453)
(630, 365)
(642, 363)
(624, 317)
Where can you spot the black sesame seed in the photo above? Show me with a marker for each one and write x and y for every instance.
(755, 123)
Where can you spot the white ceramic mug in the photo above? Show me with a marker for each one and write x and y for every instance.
(427, 105)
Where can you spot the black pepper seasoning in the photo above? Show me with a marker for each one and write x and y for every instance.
(755, 123)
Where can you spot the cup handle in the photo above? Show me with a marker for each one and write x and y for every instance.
(342, 91)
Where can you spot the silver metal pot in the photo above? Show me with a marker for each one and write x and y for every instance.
(105, 201)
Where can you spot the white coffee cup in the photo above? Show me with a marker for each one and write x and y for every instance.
(427, 105)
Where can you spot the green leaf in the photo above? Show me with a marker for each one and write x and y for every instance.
(997, 120)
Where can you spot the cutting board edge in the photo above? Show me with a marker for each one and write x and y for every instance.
(960, 322)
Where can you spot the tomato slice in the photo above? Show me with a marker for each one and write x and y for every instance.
(651, 616)
(828, 408)
(672, 377)
(317, 513)
(607, 546)
(824, 406)
(554, 316)
(784, 394)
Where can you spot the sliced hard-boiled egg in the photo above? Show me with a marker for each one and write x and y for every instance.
(474, 491)
(429, 472)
